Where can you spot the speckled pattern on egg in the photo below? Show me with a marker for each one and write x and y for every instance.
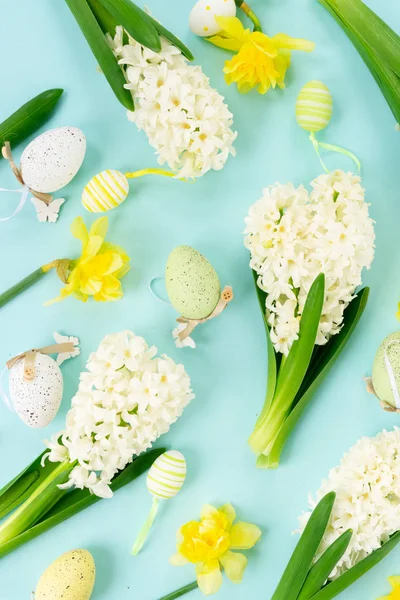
(70, 577)
(37, 401)
(380, 376)
(192, 283)
(53, 159)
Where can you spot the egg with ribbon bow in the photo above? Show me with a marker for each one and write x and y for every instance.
(53, 159)
(192, 283)
(36, 399)
(202, 20)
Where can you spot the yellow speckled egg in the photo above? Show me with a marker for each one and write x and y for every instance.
(105, 191)
(70, 577)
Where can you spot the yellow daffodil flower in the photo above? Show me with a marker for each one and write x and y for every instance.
(261, 61)
(100, 267)
(395, 593)
(208, 544)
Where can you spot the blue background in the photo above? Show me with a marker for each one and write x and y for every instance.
(41, 47)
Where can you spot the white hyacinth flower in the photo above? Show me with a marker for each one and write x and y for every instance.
(293, 236)
(126, 399)
(184, 118)
(367, 486)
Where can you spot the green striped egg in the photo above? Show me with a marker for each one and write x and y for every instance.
(314, 106)
(105, 191)
(167, 475)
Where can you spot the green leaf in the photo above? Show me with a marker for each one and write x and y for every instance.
(324, 566)
(319, 367)
(102, 51)
(136, 22)
(340, 584)
(300, 562)
(106, 21)
(74, 502)
(172, 38)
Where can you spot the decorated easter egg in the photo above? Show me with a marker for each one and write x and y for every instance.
(202, 17)
(314, 106)
(105, 191)
(36, 401)
(167, 475)
(192, 284)
(70, 577)
(386, 371)
(51, 160)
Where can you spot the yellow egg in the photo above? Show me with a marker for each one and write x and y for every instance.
(105, 191)
(70, 577)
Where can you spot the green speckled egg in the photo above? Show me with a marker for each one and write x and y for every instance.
(70, 577)
(380, 375)
(192, 283)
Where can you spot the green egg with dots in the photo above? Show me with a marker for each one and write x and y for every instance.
(69, 577)
(192, 283)
(387, 363)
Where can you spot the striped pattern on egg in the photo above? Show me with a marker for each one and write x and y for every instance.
(167, 475)
(314, 106)
(105, 191)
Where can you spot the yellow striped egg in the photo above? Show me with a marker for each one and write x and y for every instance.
(314, 106)
(105, 191)
(167, 475)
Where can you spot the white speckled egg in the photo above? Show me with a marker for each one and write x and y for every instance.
(202, 17)
(53, 159)
(167, 475)
(36, 401)
(70, 577)
(192, 283)
(386, 370)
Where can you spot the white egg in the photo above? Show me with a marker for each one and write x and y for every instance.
(53, 159)
(36, 401)
(202, 18)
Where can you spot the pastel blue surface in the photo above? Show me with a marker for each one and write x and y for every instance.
(41, 47)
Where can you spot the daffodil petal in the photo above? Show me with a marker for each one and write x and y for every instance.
(207, 511)
(209, 577)
(244, 536)
(281, 40)
(394, 581)
(177, 560)
(233, 28)
(91, 286)
(99, 227)
(234, 564)
(92, 248)
(79, 231)
(229, 511)
(225, 43)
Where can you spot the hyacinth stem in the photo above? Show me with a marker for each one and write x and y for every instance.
(181, 592)
(25, 283)
(43, 498)
(250, 14)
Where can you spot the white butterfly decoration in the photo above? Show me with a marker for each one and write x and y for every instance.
(62, 339)
(47, 212)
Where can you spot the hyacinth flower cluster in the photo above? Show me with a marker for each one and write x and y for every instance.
(308, 251)
(127, 398)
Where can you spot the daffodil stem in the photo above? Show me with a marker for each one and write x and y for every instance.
(250, 14)
(24, 284)
(182, 591)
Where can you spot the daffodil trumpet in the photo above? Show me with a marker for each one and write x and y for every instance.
(96, 273)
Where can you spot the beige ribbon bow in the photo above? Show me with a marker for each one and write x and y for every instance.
(226, 297)
(30, 357)
(7, 154)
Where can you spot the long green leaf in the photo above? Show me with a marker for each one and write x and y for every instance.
(324, 566)
(106, 21)
(172, 38)
(372, 30)
(300, 562)
(337, 586)
(136, 22)
(318, 369)
(22, 486)
(102, 51)
(76, 501)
